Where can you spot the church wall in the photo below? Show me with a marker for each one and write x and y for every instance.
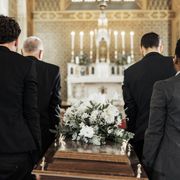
(13, 8)
(57, 40)
(54, 26)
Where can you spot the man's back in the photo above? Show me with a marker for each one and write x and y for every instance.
(161, 154)
(49, 94)
(163, 130)
(48, 99)
(139, 79)
(16, 104)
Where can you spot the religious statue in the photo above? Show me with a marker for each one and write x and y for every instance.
(103, 50)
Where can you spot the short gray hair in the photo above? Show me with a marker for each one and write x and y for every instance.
(32, 44)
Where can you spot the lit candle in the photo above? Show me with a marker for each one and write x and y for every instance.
(77, 60)
(115, 39)
(81, 34)
(132, 40)
(91, 39)
(123, 42)
(91, 44)
(72, 39)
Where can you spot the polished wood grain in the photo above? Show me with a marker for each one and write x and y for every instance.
(88, 162)
(108, 153)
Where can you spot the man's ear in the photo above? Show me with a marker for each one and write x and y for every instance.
(161, 48)
(175, 60)
(22, 52)
(41, 54)
(142, 50)
(16, 43)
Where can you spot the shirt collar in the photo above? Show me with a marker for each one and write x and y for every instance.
(4, 48)
(177, 73)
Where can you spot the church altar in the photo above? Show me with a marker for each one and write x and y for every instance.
(100, 72)
(97, 78)
(77, 161)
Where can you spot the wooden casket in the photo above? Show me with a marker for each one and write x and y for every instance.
(76, 161)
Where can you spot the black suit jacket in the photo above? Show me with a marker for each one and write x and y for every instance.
(162, 138)
(19, 119)
(49, 99)
(137, 89)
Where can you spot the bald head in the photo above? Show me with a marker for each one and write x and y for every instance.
(33, 46)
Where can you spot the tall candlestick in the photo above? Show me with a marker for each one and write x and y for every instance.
(115, 39)
(123, 42)
(81, 34)
(91, 39)
(132, 43)
(72, 39)
(115, 44)
(91, 43)
(72, 45)
(132, 40)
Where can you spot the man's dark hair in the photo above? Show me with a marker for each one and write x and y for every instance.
(177, 50)
(150, 40)
(9, 29)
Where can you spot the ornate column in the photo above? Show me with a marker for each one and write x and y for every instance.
(64, 4)
(142, 4)
(22, 20)
(4, 7)
(30, 8)
(97, 53)
(108, 53)
(175, 24)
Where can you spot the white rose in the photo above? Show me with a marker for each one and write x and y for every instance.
(85, 115)
(109, 130)
(86, 131)
(110, 120)
(87, 103)
(119, 132)
(112, 110)
(93, 117)
(74, 136)
(96, 140)
(82, 124)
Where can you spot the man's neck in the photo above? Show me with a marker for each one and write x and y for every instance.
(31, 55)
(150, 50)
(8, 45)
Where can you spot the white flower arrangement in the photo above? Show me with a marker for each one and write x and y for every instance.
(94, 122)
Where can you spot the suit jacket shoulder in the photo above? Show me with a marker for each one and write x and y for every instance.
(18, 101)
(168, 85)
(52, 66)
(21, 59)
(150, 59)
(49, 98)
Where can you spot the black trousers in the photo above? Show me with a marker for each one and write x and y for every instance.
(15, 166)
(138, 148)
(47, 139)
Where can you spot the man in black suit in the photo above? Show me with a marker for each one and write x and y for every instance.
(138, 84)
(19, 118)
(48, 90)
(162, 138)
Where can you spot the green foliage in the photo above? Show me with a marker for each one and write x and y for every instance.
(122, 60)
(84, 59)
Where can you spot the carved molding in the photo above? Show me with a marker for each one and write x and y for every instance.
(112, 15)
(176, 5)
(142, 4)
(64, 4)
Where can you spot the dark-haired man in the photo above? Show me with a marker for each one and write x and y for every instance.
(19, 119)
(49, 100)
(138, 84)
(162, 139)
